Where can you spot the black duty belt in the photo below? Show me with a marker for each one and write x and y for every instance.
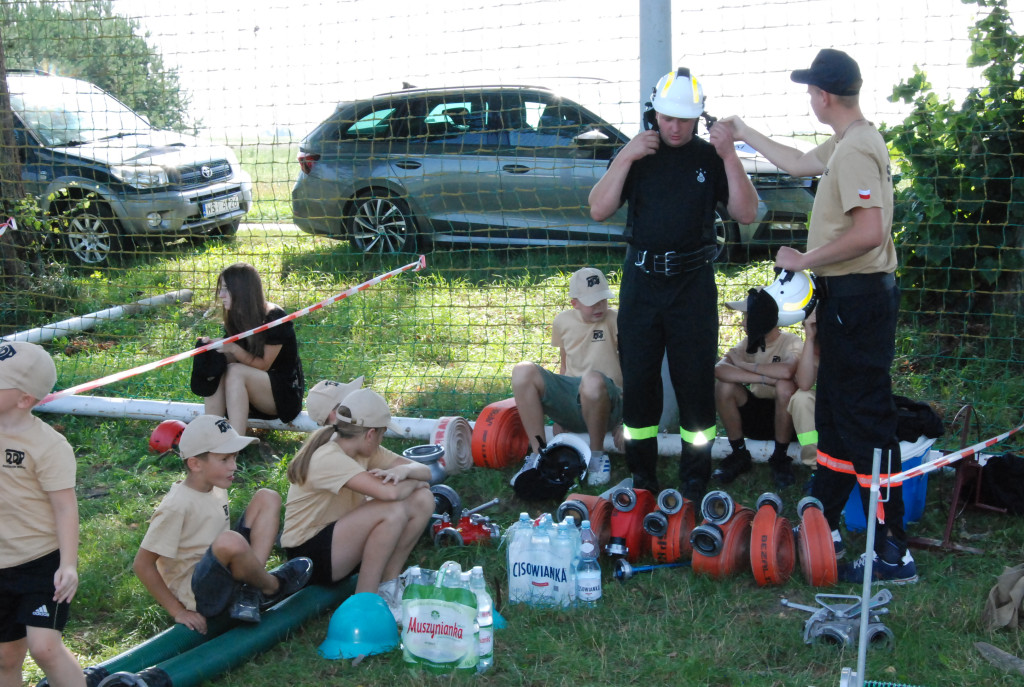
(670, 263)
(855, 284)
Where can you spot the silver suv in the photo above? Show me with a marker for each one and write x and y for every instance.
(77, 143)
(506, 165)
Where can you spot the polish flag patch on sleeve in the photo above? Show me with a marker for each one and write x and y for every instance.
(864, 193)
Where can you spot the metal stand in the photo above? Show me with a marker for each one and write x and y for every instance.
(966, 469)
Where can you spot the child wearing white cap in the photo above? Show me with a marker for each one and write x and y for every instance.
(39, 511)
(353, 503)
(191, 560)
(586, 393)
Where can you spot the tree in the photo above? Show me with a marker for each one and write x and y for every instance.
(960, 210)
(86, 40)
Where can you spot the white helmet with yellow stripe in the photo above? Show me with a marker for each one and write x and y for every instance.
(679, 94)
(795, 294)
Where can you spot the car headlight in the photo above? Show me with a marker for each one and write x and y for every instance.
(141, 176)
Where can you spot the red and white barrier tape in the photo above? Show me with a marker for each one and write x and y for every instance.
(945, 460)
(125, 374)
(9, 224)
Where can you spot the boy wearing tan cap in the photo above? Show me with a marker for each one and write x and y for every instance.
(39, 511)
(191, 560)
(586, 394)
(324, 398)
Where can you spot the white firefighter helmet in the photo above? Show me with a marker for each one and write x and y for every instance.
(795, 294)
(679, 94)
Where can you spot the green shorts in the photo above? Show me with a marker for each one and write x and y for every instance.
(561, 401)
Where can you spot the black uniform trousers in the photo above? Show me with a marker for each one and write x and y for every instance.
(854, 411)
(677, 315)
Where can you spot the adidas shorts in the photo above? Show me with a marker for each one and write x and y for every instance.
(26, 598)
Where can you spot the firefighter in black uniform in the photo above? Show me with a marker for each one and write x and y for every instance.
(668, 302)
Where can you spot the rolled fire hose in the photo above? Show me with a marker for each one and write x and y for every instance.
(626, 529)
(499, 439)
(455, 436)
(670, 529)
(582, 507)
(772, 549)
(814, 542)
(732, 555)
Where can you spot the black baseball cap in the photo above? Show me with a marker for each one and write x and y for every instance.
(832, 71)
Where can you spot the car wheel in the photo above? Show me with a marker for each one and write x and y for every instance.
(382, 224)
(727, 239)
(91, 235)
(226, 231)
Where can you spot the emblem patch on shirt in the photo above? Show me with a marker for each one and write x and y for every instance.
(598, 335)
(13, 458)
(700, 176)
(865, 194)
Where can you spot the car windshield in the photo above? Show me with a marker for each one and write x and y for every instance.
(69, 112)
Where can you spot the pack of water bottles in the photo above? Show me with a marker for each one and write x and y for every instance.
(448, 623)
(552, 564)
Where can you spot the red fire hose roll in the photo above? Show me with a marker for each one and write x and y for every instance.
(674, 545)
(772, 552)
(817, 552)
(735, 552)
(499, 439)
(599, 511)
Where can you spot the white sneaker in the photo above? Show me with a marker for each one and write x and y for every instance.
(391, 592)
(600, 470)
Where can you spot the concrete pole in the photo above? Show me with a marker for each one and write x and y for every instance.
(655, 44)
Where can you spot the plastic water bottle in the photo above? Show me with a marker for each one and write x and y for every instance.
(484, 619)
(564, 580)
(588, 572)
(541, 593)
(518, 536)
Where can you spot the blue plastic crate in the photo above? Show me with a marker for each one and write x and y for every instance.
(914, 490)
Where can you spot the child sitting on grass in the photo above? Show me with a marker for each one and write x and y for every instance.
(192, 562)
(353, 503)
(39, 536)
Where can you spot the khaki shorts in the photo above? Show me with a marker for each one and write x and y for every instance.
(561, 401)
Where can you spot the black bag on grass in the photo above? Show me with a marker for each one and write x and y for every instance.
(207, 369)
(1002, 483)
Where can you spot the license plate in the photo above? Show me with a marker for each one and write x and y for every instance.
(220, 206)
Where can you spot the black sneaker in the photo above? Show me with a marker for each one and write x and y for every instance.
(782, 472)
(732, 466)
(694, 491)
(246, 607)
(293, 576)
(902, 572)
(650, 483)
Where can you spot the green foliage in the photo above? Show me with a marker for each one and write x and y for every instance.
(87, 40)
(960, 212)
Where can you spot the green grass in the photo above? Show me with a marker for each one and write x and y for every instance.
(443, 342)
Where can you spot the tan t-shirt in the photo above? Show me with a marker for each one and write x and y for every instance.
(857, 175)
(35, 462)
(181, 530)
(787, 347)
(323, 499)
(588, 346)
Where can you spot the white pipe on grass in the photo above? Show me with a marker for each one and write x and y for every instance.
(413, 428)
(49, 332)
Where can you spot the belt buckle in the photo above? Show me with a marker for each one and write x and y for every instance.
(669, 272)
(641, 259)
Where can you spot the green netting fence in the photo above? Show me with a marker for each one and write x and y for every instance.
(260, 164)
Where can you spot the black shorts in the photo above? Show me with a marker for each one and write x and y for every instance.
(212, 583)
(26, 598)
(758, 417)
(317, 549)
